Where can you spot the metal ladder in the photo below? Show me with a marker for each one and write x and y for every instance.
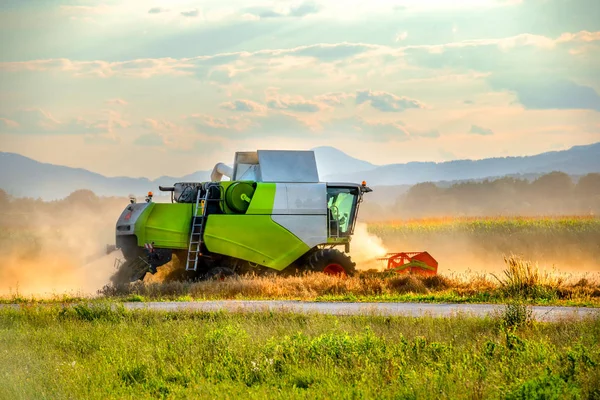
(198, 227)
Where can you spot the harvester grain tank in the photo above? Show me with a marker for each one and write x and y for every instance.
(273, 214)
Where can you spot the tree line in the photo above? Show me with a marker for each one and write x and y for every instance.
(26, 211)
(555, 193)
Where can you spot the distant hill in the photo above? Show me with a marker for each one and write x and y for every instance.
(331, 161)
(23, 177)
(577, 160)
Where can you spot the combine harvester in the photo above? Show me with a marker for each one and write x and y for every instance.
(273, 215)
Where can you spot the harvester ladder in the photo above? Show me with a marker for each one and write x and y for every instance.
(198, 227)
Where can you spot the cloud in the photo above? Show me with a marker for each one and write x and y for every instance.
(386, 102)
(213, 125)
(265, 13)
(171, 136)
(332, 52)
(334, 98)
(294, 106)
(539, 93)
(477, 130)
(36, 121)
(401, 36)
(150, 139)
(221, 75)
(119, 102)
(582, 36)
(243, 105)
(278, 124)
(157, 10)
(33, 120)
(299, 11)
(345, 63)
(7, 123)
(85, 10)
(191, 13)
(101, 139)
(158, 125)
(515, 53)
(276, 101)
(304, 9)
(375, 130)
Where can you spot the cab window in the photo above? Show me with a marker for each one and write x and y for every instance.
(341, 203)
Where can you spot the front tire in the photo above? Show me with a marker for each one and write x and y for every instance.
(331, 262)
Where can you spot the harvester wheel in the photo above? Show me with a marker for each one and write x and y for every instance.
(331, 262)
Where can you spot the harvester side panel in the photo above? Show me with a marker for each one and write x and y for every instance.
(167, 225)
(301, 199)
(262, 199)
(140, 224)
(255, 238)
(311, 229)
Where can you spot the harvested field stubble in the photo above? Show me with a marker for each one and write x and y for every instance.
(521, 280)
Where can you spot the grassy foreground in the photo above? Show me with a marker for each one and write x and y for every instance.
(99, 352)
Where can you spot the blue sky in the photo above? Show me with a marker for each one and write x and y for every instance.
(150, 88)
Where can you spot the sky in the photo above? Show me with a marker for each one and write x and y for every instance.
(152, 88)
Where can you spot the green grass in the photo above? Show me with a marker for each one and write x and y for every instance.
(103, 351)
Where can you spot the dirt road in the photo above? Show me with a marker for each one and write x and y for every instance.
(540, 313)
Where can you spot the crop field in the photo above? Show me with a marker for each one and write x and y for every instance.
(566, 244)
(102, 351)
(554, 260)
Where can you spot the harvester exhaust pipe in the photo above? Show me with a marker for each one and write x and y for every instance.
(219, 170)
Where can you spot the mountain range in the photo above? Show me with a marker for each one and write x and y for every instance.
(24, 177)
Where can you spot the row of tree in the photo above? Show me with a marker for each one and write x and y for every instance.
(551, 194)
(28, 211)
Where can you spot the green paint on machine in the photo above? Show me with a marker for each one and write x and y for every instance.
(252, 236)
(255, 238)
(167, 225)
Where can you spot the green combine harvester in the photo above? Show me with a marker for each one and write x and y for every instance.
(272, 215)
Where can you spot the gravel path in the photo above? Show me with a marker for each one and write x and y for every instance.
(540, 313)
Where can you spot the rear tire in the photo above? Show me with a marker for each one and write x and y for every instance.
(331, 262)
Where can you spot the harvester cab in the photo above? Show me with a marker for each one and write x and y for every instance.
(272, 214)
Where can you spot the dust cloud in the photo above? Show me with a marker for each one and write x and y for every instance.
(366, 247)
(57, 251)
(467, 254)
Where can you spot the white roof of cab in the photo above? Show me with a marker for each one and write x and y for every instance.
(276, 166)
